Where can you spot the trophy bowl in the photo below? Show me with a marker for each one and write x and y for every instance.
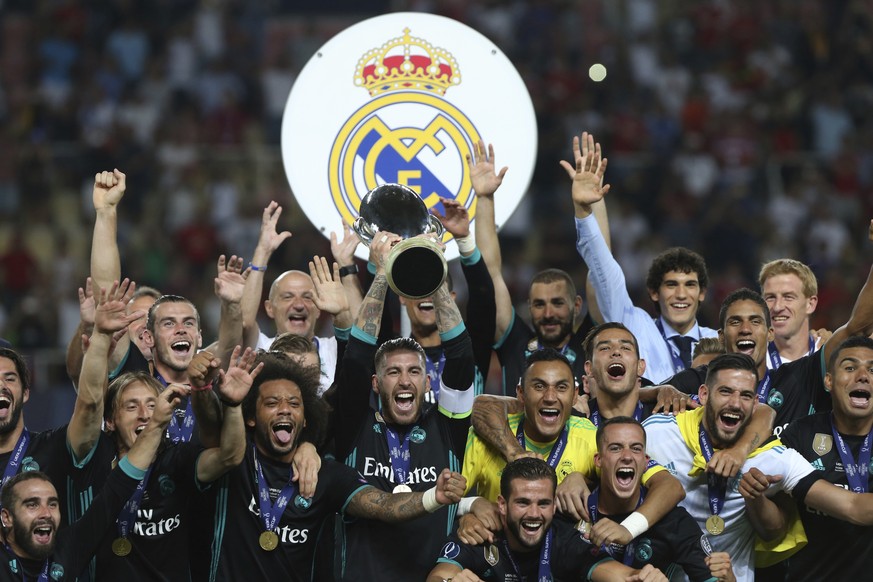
(416, 266)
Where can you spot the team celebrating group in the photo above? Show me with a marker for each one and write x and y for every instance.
(621, 447)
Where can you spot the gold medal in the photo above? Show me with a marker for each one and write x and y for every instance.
(268, 541)
(402, 488)
(121, 547)
(715, 525)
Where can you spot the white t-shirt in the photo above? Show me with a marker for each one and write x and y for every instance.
(667, 446)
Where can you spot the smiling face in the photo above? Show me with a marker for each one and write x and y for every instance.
(133, 409)
(745, 331)
(850, 384)
(291, 305)
(679, 296)
(175, 337)
(422, 315)
(729, 402)
(622, 461)
(527, 513)
(279, 419)
(32, 519)
(548, 394)
(401, 382)
(789, 307)
(615, 363)
(12, 396)
(552, 312)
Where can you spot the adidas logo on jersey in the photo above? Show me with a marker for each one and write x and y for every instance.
(818, 465)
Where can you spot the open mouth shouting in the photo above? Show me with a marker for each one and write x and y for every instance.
(730, 420)
(139, 429)
(616, 371)
(5, 404)
(859, 397)
(283, 431)
(746, 346)
(551, 418)
(181, 347)
(426, 306)
(404, 402)
(43, 532)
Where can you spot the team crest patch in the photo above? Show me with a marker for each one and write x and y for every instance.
(492, 554)
(167, 485)
(643, 551)
(822, 443)
(705, 545)
(417, 435)
(564, 469)
(301, 502)
(56, 571)
(775, 400)
(450, 551)
(29, 464)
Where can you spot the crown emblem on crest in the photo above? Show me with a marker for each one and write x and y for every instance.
(405, 63)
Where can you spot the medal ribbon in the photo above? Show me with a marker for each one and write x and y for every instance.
(763, 389)
(592, 513)
(678, 364)
(14, 462)
(717, 485)
(43, 576)
(776, 359)
(398, 453)
(435, 372)
(271, 513)
(557, 448)
(856, 472)
(127, 517)
(544, 570)
(594, 412)
(179, 433)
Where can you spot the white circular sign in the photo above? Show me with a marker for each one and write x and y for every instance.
(403, 98)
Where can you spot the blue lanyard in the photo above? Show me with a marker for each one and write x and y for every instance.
(128, 513)
(14, 462)
(14, 562)
(628, 558)
(776, 359)
(717, 485)
(435, 372)
(179, 433)
(557, 448)
(678, 364)
(763, 389)
(544, 570)
(271, 513)
(856, 472)
(594, 412)
(398, 453)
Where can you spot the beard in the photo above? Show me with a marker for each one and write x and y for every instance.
(12, 421)
(553, 339)
(718, 439)
(24, 539)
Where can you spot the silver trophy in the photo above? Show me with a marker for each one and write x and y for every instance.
(416, 266)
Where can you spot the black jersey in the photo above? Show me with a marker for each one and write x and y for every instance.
(520, 340)
(837, 550)
(674, 541)
(796, 389)
(159, 536)
(573, 558)
(238, 525)
(76, 543)
(402, 551)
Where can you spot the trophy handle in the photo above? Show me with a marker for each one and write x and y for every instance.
(435, 225)
(360, 227)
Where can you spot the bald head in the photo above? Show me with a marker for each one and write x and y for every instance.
(291, 304)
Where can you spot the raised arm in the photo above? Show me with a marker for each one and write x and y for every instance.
(331, 294)
(489, 421)
(485, 184)
(268, 242)
(232, 387)
(75, 348)
(372, 503)
(343, 252)
(110, 319)
(145, 447)
(230, 282)
(369, 317)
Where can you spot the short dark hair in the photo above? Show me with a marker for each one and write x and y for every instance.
(117, 386)
(7, 497)
(546, 355)
(732, 361)
(150, 321)
(20, 366)
(604, 422)
(398, 344)
(676, 259)
(743, 294)
(855, 341)
(529, 469)
(553, 276)
(278, 366)
(291, 343)
(590, 339)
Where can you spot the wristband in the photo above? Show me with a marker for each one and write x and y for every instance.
(348, 270)
(228, 403)
(465, 505)
(466, 244)
(429, 500)
(636, 523)
(201, 388)
(257, 268)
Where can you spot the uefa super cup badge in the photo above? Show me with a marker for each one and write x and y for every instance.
(403, 98)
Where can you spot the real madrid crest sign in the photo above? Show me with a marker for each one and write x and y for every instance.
(404, 98)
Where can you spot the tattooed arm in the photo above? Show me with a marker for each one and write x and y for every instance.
(489, 422)
(372, 503)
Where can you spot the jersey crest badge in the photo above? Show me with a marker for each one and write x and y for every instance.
(492, 554)
(822, 443)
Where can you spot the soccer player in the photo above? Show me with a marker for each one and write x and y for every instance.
(676, 281)
(264, 528)
(532, 545)
(791, 291)
(407, 442)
